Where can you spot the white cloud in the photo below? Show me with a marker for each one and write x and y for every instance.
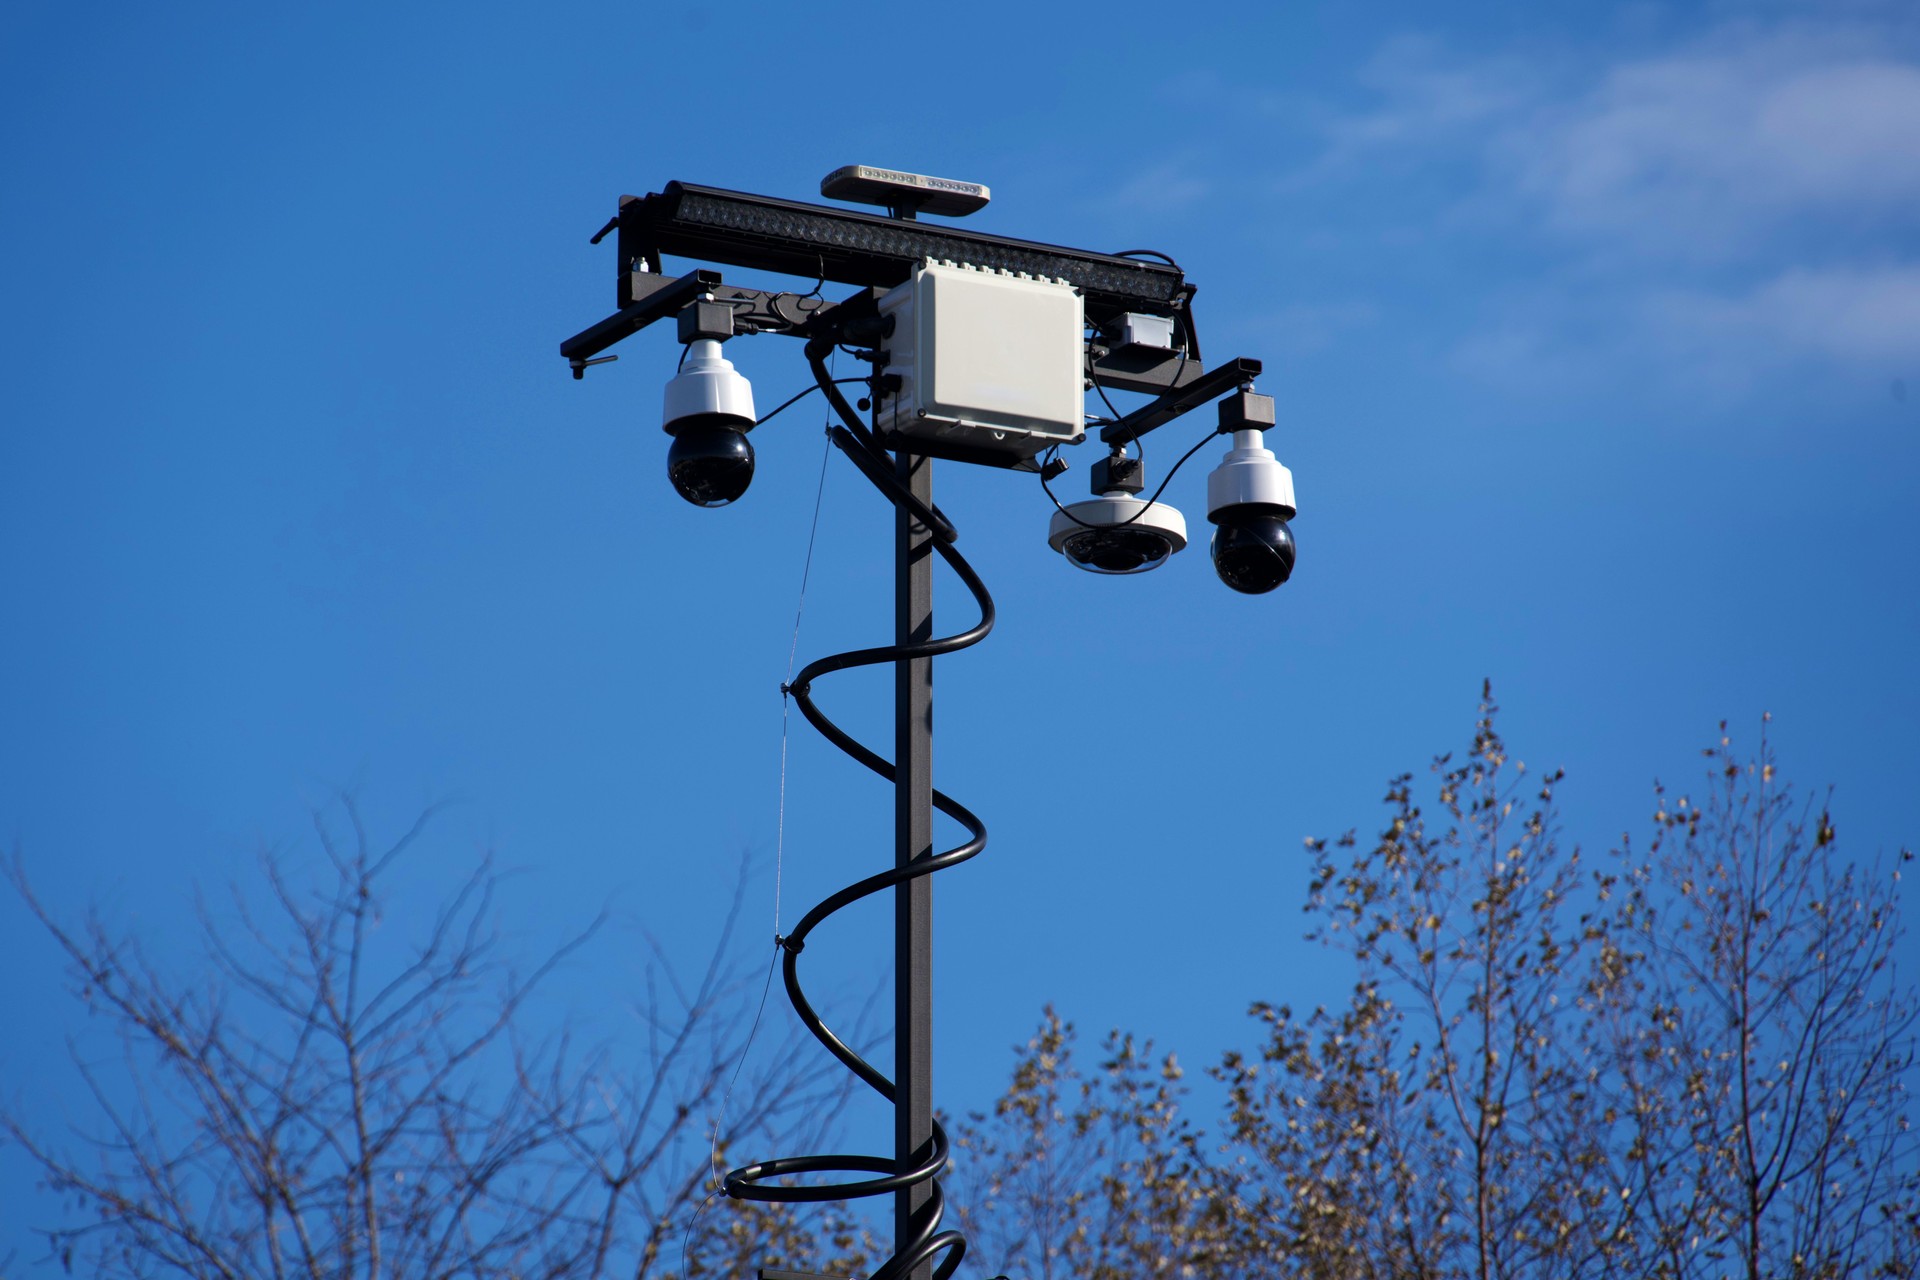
(1736, 205)
(1715, 347)
(1424, 95)
(1708, 153)
(1858, 315)
(1163, 189)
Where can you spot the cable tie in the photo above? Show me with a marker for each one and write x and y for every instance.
(793, 946)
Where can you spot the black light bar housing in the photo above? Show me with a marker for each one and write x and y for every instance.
(811, 241)
(875, 254)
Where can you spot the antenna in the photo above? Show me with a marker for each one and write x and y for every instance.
(904, 195)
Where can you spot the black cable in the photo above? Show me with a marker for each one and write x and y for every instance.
(1121, 524)
(1096, 382)
(1198, 445)
(1048, 489)
(787, 403)
(806, 313)
(773, 320)
(1178, 370)
(790, 401)
(820, 283)
(755, 1181)
(1183, 314)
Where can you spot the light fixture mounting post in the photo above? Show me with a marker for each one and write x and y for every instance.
(1139, 304)
(913, 838)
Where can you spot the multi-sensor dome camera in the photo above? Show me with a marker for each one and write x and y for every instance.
(1250, 501)
(708, 411)
(1116, 532)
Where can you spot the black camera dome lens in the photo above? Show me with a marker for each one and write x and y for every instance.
(1253, 553)
(1117, 550)
(710, 464)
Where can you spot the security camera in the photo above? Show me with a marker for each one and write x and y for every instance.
(1250, 500)
(708, 411)
(1116, 532)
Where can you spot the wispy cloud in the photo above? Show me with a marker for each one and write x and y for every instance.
(1425, 93)
(1162, 189)
(1736, 203)
(1853, 314)
(1710, 152)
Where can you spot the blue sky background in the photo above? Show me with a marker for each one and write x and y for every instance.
(1595, 336)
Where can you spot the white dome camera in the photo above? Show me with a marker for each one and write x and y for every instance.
(1117, 532)
(708, 410)
(1250, 501)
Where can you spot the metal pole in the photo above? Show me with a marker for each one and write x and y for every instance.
(913, 838)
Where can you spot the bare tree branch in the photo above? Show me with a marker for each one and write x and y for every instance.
(315, 1105)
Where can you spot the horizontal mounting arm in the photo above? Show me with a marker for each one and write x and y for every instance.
(1210, 385)
(755, 311)
(667, 298)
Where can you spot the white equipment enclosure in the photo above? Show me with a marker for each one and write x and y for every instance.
(986, 359)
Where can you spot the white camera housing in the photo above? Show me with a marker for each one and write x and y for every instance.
(1250, 476)
(707, 389)
(1249, 501)
(987, 361)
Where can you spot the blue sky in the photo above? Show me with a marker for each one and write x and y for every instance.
(1595, 337)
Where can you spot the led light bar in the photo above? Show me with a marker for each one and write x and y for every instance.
(807, 240)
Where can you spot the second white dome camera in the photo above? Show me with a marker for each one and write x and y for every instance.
(1250, 501)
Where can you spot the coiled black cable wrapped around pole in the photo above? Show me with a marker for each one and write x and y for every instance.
(754, 1181)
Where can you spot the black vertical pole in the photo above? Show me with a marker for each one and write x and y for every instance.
(913, 838)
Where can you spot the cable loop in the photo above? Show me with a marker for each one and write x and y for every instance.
(757, 1181)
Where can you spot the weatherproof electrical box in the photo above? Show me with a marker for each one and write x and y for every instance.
(987, 361)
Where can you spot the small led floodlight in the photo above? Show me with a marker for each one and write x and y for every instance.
(708, 410)
(1250, 500)
(904, 193)
(1116, 532)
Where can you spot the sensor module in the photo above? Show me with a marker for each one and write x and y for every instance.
(986, 361)
(910, 193)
